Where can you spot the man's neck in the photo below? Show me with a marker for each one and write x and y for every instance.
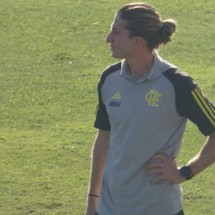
(140, 65)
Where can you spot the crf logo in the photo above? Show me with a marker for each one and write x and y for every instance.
(152, 98)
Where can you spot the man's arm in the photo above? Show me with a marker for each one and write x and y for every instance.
(167, 169)
(205, 157)
(99, 155)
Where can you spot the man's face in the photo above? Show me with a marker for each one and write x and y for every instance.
(119, 38)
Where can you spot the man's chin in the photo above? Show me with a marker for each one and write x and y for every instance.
(116, 56)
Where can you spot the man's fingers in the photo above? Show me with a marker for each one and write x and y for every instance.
(160, 157)
(158, 179)
(154, 167)
(155, 171)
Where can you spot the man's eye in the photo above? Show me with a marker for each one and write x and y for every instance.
(115, 31)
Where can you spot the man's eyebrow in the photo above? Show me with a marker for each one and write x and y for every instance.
(113, 28)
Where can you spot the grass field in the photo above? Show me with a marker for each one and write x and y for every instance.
(51, 55)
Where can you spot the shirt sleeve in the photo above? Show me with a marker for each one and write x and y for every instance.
(191, 103)
(200, 110)
(102, 119)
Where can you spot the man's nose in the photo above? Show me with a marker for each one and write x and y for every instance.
(109, 38)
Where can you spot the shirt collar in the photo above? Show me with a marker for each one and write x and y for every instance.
(158, 67)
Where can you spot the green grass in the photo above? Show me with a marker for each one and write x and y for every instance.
(51, 56)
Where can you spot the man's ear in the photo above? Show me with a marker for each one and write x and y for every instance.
(140, 41)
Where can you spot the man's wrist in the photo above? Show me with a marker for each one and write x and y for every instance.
(186, 172)
(93, 195)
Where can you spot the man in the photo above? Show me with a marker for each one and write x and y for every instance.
(144, 104)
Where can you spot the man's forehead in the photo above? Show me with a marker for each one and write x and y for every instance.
(118, 22)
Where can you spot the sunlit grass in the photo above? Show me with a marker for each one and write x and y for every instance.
(52, 54)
